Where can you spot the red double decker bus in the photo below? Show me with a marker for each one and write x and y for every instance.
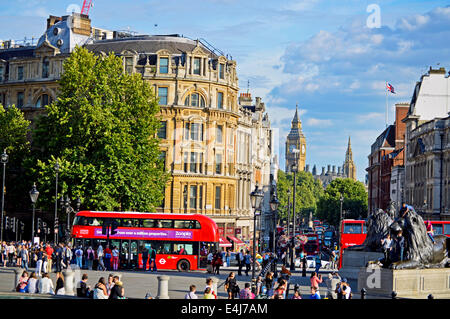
(181, 241)
(353, 232)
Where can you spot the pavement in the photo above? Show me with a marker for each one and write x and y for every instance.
(138, 283)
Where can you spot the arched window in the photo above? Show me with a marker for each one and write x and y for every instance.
(194, 99)
(43, 100)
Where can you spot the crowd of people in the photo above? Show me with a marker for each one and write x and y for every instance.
(44, 257)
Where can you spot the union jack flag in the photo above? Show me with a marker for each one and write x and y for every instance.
(390, 88)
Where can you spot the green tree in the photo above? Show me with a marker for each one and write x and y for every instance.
(354, 204)
(102, 130)
(14, 129)
(308, 192)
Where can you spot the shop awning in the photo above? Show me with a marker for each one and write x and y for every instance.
(224, 243)
(236, 241)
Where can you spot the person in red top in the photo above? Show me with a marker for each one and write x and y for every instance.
(430, 230)
(107, 257)
(315, 281)
(49, 251)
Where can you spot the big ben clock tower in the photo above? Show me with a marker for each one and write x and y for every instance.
(295, 141)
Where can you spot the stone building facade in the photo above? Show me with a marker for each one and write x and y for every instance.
(427, 169)
(214, 148)
(386, 163)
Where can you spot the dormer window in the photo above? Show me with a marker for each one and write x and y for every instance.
(222, 71)
(45, 67)
(197, 66)
(194, 99)
(163, 65)
(129, 65)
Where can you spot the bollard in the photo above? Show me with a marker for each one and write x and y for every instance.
(163, 287)
(430, 296)
(363, 293)
(17, 274)
(215, 281)
(69, 282)
(394, 295)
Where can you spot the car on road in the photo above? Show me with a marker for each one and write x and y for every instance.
(311, 263)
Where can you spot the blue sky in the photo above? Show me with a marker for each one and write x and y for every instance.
(320, 54)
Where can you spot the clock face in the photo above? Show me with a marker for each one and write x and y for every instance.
(303, 149)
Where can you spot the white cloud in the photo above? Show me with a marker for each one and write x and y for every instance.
(319, 122)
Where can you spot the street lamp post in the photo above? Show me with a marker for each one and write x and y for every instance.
(288, 227)
(340, 219)
(3, 160)
(55, 225)
(294, 214)
(34, 194)
(256, 199)
(274, 207)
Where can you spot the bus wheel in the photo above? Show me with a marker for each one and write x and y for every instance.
(183, 265)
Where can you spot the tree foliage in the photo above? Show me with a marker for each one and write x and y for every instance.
(14, 129)
(308, 191)
(354, 204)
(102, 130)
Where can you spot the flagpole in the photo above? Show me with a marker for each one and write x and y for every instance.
(386, 88)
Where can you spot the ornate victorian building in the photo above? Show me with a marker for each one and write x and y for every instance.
(214, 148)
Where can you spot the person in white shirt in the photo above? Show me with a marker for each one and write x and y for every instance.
(191, 294)
(32, 283)
(46, 285)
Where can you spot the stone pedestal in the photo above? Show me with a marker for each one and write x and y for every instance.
(407, 283)
(17, 274)
(353, 260)
(69, 282)
(163, 287)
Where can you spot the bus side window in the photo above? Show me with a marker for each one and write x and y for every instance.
(447, 229)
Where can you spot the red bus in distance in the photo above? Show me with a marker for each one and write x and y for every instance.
(182, 241)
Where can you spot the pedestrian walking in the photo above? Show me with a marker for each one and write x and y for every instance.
(248, 262)
(228, 258)
(240, 260)
(246, 292)
(79, 257)
(153, 259)
(101, 265)
(144, 258)
(50, 252)
(24, 256)
(231, 286)
(108, 256)
(217, 262)
(318, 262)
(315, 280)
(39, 260)
(115, 258)
(90, 257)
(209, 283)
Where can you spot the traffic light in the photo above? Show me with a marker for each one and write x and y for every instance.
(22, 227)
(6, 222)
(13, 224)
(39, 225)
(114, 226)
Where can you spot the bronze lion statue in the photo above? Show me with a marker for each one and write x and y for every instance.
(377, 228)
(419, 251)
